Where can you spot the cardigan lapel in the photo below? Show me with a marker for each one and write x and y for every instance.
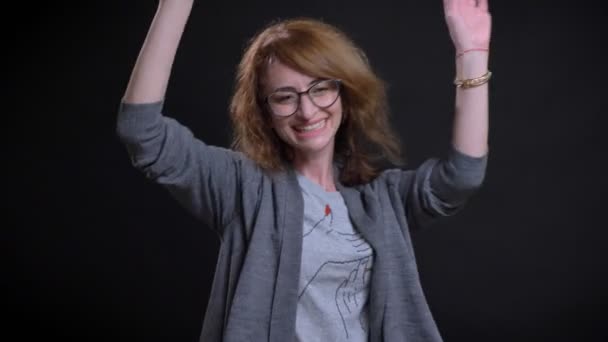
(289, 218)
(357, 203)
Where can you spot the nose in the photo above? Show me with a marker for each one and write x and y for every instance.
(307, 108)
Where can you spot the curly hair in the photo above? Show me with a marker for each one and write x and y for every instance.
(364, 140)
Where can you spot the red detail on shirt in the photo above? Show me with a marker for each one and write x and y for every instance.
(327, 210)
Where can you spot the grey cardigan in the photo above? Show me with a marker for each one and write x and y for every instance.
(259, 215)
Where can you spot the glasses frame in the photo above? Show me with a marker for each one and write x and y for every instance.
(307, 92)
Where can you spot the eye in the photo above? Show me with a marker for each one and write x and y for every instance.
(319, 90)
(282, 97)
(323, 88)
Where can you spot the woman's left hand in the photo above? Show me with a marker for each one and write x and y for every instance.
(469, 23)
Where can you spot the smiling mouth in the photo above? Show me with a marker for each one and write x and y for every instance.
(312, 127)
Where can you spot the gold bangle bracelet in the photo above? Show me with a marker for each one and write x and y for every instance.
(473, 82)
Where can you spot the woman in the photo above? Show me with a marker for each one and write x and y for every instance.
(315, 242)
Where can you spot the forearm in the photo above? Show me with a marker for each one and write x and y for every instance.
(150, 75)
(471, 122)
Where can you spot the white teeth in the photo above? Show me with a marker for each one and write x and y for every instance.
(312, 127)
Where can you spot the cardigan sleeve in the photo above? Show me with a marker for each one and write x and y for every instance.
(441, 187)
(204, 179)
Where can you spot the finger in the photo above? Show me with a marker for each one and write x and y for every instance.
(483, 5)
(352, 276)
(360, 271)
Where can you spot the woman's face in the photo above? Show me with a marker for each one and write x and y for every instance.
(311, 130)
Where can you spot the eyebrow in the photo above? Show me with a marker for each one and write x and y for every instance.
(289, 88)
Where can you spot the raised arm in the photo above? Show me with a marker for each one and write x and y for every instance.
(441, 187)
(150, 75)
(206, 180)
(469, 24)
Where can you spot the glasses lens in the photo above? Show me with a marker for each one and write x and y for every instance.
(283, 103)
(324, 93)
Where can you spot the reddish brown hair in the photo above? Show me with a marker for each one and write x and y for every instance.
(319, 50)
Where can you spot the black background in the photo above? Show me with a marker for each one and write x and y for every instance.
(97, 253)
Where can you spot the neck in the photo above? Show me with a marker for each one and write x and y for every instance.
(317, 168)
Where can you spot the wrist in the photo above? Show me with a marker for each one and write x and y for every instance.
(472, 64)
(465, 51)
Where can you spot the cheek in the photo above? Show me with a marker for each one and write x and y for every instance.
(272, 121)
(279, 126)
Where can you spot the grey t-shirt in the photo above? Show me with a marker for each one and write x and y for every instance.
(335, 272)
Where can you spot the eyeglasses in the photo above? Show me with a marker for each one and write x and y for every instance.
(286, 102)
